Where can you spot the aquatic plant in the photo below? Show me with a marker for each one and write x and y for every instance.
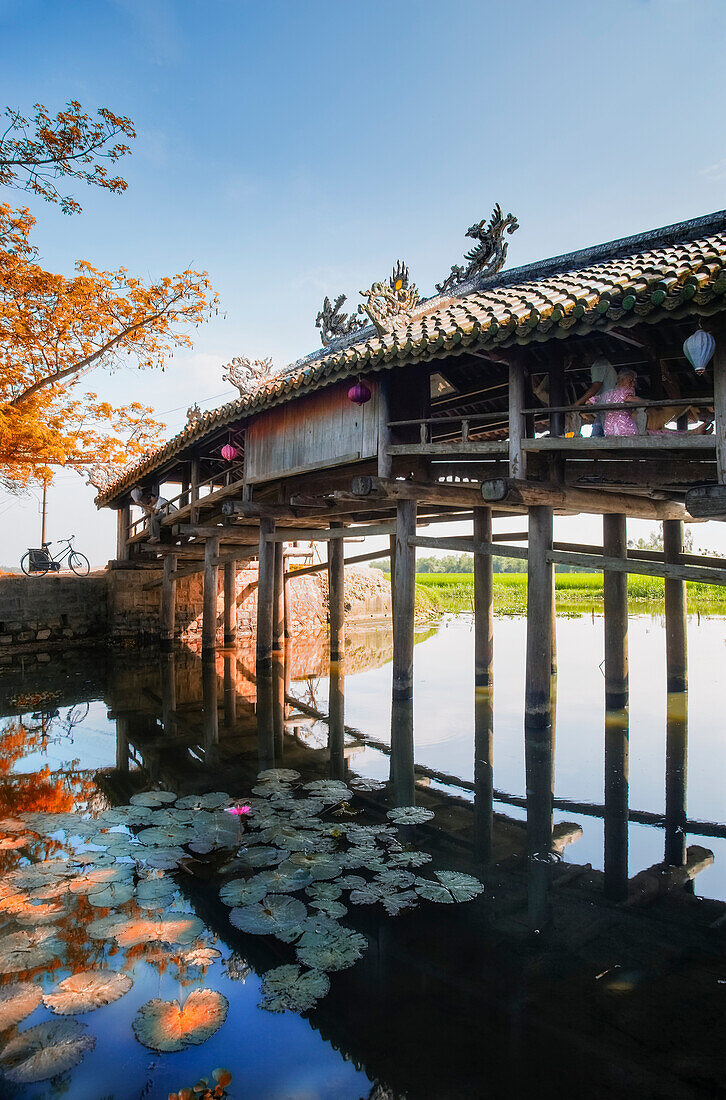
(410, 815)
(169, 1026)
(17, 1001)
(87, 990)
(202, 1090)
(287, 988)
(277, 913)
(45, 1051)
(452, 886)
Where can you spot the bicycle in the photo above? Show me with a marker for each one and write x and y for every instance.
(38, 562)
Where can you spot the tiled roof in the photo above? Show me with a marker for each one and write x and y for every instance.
(670, 271)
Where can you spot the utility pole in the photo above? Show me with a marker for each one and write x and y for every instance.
(43, 513)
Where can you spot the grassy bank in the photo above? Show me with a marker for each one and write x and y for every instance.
(575, 592)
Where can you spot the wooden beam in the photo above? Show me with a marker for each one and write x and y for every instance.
(661, 444)
(226, 533)
(357, 559)
(706, 501)
(404, 602)
(455, 447)
(211, 582)
(293, 534)
(531, 493)
(701, 575)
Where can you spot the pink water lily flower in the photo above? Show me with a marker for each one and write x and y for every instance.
(238, 810)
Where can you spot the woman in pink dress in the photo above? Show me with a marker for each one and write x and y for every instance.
(618, 421)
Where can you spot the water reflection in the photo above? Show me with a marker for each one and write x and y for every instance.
(404, 1011)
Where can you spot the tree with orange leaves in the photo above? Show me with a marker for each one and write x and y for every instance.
(55, 329)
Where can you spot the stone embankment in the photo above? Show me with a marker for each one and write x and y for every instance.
(121, 607)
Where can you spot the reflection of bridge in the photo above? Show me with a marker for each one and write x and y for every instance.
(459, 1001)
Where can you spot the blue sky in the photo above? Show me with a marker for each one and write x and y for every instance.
(295, 149)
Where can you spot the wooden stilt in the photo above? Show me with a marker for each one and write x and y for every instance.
(483, 773)
(211, 585)
(336, 599)
(168, 694)
(483, 601)
(675, 778)
(539, 766)
(265, 723)
(392, 574)
(168, 602)
(404, 600)
(210, 715)
(675, 611)
(539, 619)
(616, 804)
(719, 403)
(402, 776)
(265, 594)
(278, 599)
(230, 691)
(230, 603)
(615, 607)
(278, 706)
(122, 743)
(123, 519)
(516, 421)
(336, 721)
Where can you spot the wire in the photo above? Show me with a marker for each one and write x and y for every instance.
(203, 401)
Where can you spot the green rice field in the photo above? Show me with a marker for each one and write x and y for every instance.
(577, 593)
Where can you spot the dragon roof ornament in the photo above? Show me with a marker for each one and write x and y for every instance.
(194, 414)
(390, 304)
(333, 323)
(248, 375)
(488, 256)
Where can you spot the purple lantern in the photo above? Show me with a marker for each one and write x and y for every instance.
(229, 452)
(359, 393)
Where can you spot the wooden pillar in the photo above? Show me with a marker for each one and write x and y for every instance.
(210, 714)
(516, 425)
(719, 403)
(230, 691)
(483, 601)
(615, 607)
(402, 773)
(537, 707)
(184, 498)
(278, 598)
(265, 594)
(123, 519)
(122, 744)
(615, 866)
(265, 722)
(392, 542)
(278, 705)
(336, 721)
(483, 773)
(211, 584)
(556, 376)
(675, 778)
(230, 603)
(675, 611)
(168, 601)
(404, 600)
(385, 462)
(336, 599)
(194, 490)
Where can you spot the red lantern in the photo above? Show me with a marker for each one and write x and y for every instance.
(229, 452)
(359, 393)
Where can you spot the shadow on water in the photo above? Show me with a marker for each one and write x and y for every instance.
(561, 976)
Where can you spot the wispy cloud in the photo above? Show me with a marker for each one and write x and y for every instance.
(715, 171)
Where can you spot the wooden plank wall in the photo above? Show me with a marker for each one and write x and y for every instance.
(320, 430)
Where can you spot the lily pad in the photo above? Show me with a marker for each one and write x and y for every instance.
(325, 891)
(211, 801)
(17, 1001)
(152, 799)
(278, 775)
(125, 815)
(368, 895)
(261, 856)
(115, 893)
(155, 893)
(370, 834)
(395, 879)
(319, 865)
(276, 913)
(182, 928)
(164, 859)
(199, 956)
(92, 881)
(168, 1026)
(239, 891)
(286, 988)
(105, 928)
(396, 903)
(461, 887)
(410, 815)
(408, 858)
(87, 990)
(46, 1050)
(363, 783)
(22, 951)
(283, 879)
(42, 913)
(165, 836)
(334, 909)
(331, 951)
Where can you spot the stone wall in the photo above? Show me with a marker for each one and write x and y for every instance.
(121, 607)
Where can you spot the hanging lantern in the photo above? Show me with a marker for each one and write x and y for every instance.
(698, 350)
(359, 393)
(229, 452)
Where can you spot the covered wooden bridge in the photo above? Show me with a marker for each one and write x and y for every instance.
(466, 406)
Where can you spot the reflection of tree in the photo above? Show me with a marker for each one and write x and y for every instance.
(45, 790)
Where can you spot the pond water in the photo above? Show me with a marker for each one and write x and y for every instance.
(527, 975)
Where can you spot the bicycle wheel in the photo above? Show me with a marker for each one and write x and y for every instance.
(36, 571)
(79, 564)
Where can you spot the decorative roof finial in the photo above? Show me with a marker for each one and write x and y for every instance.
(194, 414)
(333, 323)
(248, 375)
(490, 253)
(391, 303)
